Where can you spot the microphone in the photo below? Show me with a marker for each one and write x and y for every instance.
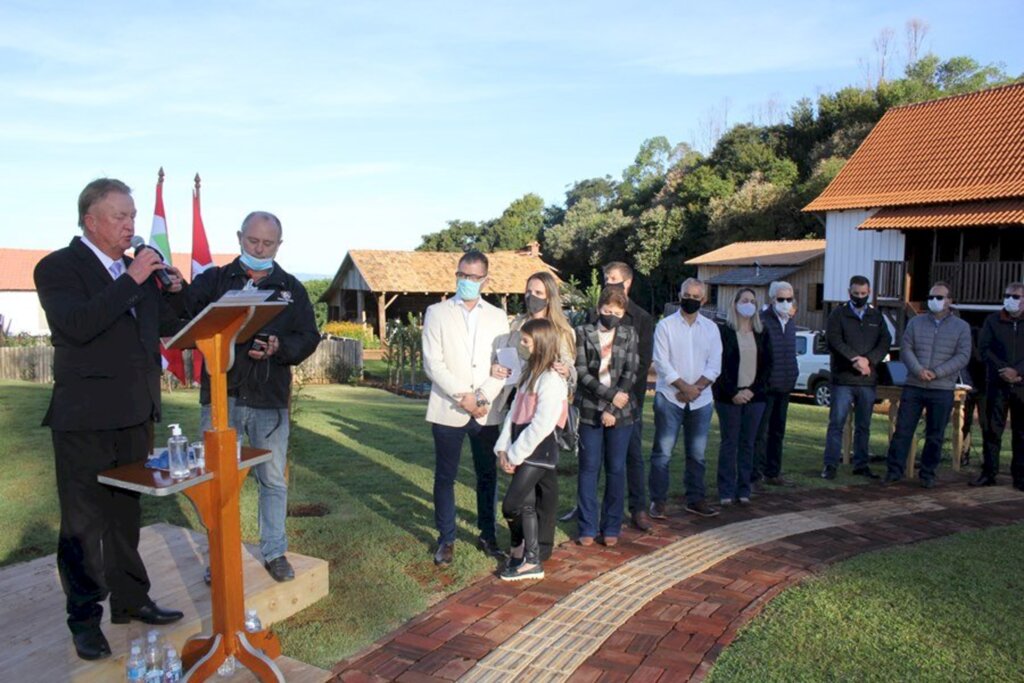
(161, 275)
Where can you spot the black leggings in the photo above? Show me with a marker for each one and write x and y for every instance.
(520, 509)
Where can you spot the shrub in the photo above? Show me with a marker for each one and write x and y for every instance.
(353, 330)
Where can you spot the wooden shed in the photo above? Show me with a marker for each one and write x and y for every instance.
(374, 286)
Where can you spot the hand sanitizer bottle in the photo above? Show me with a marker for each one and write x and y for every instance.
(177, 453)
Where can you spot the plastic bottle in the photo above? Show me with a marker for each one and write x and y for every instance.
(172, 666)
(154, 658)
(227, 667)
(177, 453)
(252, 621)
(198, 459)
(135, 670)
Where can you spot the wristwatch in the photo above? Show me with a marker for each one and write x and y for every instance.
(481, 400)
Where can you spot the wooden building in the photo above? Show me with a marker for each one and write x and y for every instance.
(935, 192)
(374, 286)
(756, 265)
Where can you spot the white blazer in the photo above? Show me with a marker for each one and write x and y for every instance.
(457, 364)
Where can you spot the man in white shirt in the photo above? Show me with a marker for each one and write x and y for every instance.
(459, 337)
(688, 359)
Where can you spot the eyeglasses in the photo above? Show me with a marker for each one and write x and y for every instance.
(1013, 296)
(784, 299)
(471, 278)
(936, 297)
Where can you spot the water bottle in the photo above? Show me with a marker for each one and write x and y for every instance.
(177, 453)
(172, 666)
(136, 667)
(198, 458)
(252, 621)
(227, 667)
(154, 658)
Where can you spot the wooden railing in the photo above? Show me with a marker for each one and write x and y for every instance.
(890, 282)
(978, 282)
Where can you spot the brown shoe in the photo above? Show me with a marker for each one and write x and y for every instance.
(585, 540)
(701, 508)
(609, 541)
(778, 481)
(658, 511)
(642, 521)
(444, 554)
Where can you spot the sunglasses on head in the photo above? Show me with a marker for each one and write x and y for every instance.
(936, 297)
(1013, 296)
(784, 299)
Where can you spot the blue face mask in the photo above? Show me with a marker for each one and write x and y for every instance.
(468, 290)
(253, 263)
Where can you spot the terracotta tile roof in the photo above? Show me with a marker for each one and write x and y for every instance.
(17, 265)
(771, 253)
(957, 149)
(999, 212)
(434, 271)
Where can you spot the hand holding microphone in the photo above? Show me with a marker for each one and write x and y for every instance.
(148, 261)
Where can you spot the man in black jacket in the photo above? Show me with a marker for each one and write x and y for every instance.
(619, 273)
(858, 339)
(780, 339)
(259, 383)
(1001, 346)
(106, 316)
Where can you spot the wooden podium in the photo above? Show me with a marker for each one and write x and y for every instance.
(214, 492)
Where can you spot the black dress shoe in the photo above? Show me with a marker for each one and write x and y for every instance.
(490, 547)
(865, 472)
(91, 644)
(148, 614)
(982, 480)
(927, 482)
(890, 479)
(443, 555)
(279, 569)
(829, 472)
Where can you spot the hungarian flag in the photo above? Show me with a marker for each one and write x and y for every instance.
(172, 360)
(201, 260)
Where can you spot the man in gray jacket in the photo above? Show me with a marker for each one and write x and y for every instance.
(936, 347)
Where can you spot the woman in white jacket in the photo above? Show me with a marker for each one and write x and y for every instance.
(527, 448)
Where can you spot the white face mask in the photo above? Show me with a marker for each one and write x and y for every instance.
(783, 308)
(1011, 305)
(746, 309)
(936, 306)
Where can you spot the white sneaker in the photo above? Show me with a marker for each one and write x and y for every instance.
(725, 502)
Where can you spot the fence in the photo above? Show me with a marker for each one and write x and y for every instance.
(335, 360)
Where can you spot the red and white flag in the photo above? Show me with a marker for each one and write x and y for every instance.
(172, 360)
(201, 260)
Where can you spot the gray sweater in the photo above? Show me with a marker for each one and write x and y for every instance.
(944, 347)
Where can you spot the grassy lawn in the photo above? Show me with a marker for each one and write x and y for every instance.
(366, 455)
(942, 610)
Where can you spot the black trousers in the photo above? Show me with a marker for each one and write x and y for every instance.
(547, 511)
(1000, 402)
(98, 546)
(770, 436)
(520, 510)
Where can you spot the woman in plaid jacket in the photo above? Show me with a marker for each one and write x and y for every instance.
(606, 364)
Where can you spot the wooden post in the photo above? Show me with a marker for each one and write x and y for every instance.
(382, 311)
(361, 306)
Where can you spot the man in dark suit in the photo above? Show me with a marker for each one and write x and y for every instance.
(106, 315)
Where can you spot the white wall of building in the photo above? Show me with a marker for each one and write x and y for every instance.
(21, 310)
(849, 251)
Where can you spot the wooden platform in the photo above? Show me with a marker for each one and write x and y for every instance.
(35, 644)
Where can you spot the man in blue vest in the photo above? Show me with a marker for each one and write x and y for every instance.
(780, 335)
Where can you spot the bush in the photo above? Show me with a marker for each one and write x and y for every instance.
(353, 330)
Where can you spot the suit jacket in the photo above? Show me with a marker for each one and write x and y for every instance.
(106, 361)
(457, 364)
(592, 397)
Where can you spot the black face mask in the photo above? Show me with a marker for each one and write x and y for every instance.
(689, 306)
(535, 304)
(859, 301)
(610, 322)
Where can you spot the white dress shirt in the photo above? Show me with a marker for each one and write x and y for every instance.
(688, 352)
(104, 259)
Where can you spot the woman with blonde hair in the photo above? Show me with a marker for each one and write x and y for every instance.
(542, 301)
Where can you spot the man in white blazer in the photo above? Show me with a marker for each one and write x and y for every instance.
(459, 338)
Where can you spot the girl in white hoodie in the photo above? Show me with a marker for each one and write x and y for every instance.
(527, 448)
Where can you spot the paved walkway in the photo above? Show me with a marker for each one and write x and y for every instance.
(664, 605)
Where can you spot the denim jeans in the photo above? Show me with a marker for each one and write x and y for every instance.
(1002, 400)
(845, 397)
(770, 436)
(738, 425)
(602, 446)
(447, 453)
(264, 428)
(636, 482)
(668, 420)
(913, 402)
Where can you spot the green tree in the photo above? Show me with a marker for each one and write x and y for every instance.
(458, 236)
(316, 289)
(519, 224)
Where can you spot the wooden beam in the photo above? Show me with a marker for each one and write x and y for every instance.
(390, 301)
(382, 309)
(361, 306)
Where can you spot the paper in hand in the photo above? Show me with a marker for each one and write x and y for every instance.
(509, 357)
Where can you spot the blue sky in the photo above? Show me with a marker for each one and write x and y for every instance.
(368, 124)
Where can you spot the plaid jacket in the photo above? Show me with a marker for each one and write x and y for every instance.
(592, 397)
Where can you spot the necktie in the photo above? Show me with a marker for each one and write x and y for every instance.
(116, 268)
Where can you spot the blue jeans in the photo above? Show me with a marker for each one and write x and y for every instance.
(668, 420)
(861, 400)
(265, 428)
(447, 453)
(636, 482)
(913, 401)
(602, 446)
(738, 426)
